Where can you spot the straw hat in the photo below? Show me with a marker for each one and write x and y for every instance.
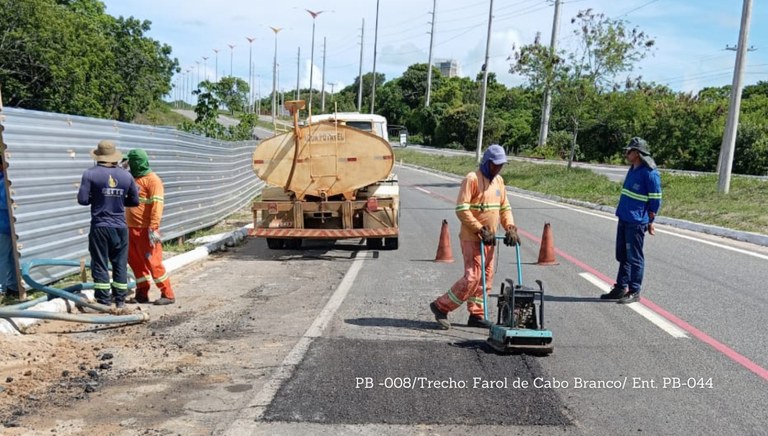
(106, 151)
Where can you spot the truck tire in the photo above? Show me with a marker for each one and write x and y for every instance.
(391, 243)
(293, 244)
(374, 243)
(275, 244)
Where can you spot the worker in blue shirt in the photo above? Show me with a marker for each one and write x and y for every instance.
(638, 205)
(8, 281)
(108, 189)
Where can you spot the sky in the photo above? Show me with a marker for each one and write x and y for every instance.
(692, 37)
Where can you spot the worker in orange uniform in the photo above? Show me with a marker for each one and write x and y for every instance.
(145, 247)
(481, 204)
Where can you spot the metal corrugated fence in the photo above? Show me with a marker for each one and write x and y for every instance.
(205, 180)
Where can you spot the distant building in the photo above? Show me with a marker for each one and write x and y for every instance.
(449, 67)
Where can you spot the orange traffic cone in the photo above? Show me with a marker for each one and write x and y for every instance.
(444, 252)
(547, 250)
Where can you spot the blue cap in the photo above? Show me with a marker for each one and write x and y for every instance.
(496, 154)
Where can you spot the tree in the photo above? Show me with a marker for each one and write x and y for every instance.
(69, 56)
(232, 92)
(605, 49)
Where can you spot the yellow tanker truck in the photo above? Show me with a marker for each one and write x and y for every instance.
(328, 179)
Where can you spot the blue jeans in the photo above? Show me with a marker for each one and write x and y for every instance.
(629, 253)
(7, 265)
(109, 245)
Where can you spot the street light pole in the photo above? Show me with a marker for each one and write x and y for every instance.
(216, 75)
(250, 69)
(205, 67)
(298, 74)
(485, 86)
(322, 88)
(312, 58)
(274, 74)
(231, 55)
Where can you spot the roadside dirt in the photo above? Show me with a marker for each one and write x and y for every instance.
(189, 370)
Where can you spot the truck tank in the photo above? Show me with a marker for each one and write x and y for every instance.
(327, 180)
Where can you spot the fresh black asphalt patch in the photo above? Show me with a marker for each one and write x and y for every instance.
(346, 381)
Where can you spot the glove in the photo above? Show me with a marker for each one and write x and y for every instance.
(511, 238)
(154, 237)
(488, 237)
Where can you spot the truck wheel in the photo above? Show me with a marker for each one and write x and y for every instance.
(275, 244)
(390, 243)
(374, 243)
(293, 244)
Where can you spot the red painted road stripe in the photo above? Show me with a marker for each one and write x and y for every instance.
(703, 337)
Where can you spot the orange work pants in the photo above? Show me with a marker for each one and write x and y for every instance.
(146, 261)
(469, 288)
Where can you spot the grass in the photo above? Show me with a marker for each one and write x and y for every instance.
(160, 115)
(692, 198)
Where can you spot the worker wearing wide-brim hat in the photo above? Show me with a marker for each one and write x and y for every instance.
(108, 189)
(639, 203)
(481, 205)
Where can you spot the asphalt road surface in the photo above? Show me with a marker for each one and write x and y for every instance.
(337, 339)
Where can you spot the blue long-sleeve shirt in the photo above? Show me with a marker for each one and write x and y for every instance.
(109, 190)
(640, 194)
(5, 217)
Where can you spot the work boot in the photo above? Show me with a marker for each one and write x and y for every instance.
(630, 297)
(163, 301)
(476, 321)
(616, 293)
(139, 299)
(440, 317)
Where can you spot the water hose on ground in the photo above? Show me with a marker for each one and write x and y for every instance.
(69, 293)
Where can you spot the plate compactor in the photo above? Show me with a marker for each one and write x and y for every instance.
(519, 326)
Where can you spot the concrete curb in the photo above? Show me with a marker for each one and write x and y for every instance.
(172, 264)
(752, 238)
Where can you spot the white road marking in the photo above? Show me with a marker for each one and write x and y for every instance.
(418, 188)
(645, 312)
(256, 407)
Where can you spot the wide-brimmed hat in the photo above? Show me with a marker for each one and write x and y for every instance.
(106, 151)
(641, 146)
(638, 144)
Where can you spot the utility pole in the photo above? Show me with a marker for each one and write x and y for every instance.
(298, 74)
(360, 71)
(429, 64)
(375, 41)
(547, 105)
(485, 86)
(322, 87)
(732, 124)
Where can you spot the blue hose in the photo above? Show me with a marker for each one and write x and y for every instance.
(69, 293)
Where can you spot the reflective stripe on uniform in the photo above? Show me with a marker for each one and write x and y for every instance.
(654, 195)
(143, 279)
(461, 207)
(634, 195)
(476, 300)
(161, 279)
(104, 286)
(150, 200)
(119, 285)
(486, 206)
(454, 298)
